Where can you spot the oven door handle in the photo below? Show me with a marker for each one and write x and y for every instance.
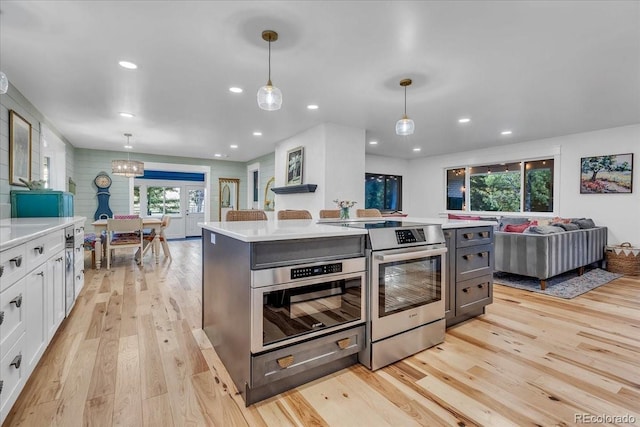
(410, 255)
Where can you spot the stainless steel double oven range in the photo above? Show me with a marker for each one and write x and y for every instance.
(406, 268)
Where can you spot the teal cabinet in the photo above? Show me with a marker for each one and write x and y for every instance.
(41, 203)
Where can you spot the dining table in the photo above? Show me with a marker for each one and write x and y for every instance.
(152, 223)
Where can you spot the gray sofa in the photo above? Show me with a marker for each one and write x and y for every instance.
(546, 255)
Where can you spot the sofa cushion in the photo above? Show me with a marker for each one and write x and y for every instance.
(558, 219)
(513, 220)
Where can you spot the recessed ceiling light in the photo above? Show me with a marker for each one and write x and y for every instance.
(257, 133)
(217, 155)
(235, 89)
(417, 149)
(373, 142)
(128, 115)
(312, 107)
(506, 132)
(234, 146)
(128, 65)
(464, 120)
(128, 147)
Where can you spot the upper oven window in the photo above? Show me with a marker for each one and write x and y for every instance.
(294, 311)
(404, 285)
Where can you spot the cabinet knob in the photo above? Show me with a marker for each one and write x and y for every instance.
(17, 260)
(16, 361)
(465, 290)
(59, 259)
(41, 273)
(1, 270)
(39, 249)
(480, 286)
(468, 256)
(1, 317)
(17, 301)
(285, 362)
(468, 235)
(483, 254)
(484, 234)
(344, 343)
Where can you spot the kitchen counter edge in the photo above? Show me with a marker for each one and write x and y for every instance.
(16, 231)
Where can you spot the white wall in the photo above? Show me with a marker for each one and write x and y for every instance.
(619, 212)
(333, 159)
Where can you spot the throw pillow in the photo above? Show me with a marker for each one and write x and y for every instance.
(516, 228)
(513, 220)
(584, 223)
(467, 217)
(569, 226)
(545, 229)
(560, 220)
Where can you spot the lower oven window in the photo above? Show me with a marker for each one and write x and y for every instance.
(291, 312)
(404, 285)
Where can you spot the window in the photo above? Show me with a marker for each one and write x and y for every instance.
(525, 186)
(196, 201)
(136, 200)
(255, 186)
(163, 200)
(383, 192)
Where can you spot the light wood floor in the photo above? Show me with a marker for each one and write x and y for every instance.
(131, 354)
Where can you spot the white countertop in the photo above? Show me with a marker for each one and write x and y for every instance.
(15, 231)
(260, 231)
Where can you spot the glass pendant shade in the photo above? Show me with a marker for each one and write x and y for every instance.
(269, 97)
(4, 83)
(405, 126)
(128, 168)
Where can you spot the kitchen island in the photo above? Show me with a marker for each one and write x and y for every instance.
(272, 334)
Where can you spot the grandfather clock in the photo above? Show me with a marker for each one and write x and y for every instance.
(103, 182)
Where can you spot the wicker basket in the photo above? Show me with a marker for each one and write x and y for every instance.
(624, 259)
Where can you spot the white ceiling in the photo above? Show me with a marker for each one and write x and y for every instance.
(538, 68)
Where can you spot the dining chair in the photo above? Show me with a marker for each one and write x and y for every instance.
(368, 213)
(124, 233)
(294, 214)
(330, 213)
(161, 236)
(247, 215)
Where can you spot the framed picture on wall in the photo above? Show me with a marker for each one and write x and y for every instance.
(606, 174)
(19, 149)
(294, 166)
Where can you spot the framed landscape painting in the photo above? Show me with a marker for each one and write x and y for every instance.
(294, 166)
(19, 149)
(606, 174)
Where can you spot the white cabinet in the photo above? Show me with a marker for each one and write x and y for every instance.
(35, 308)
(32, 303)
(55, 293)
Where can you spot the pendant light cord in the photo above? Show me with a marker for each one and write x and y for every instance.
(405, 100)
(269, 60)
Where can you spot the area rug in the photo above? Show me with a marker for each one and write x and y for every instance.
(567, 285)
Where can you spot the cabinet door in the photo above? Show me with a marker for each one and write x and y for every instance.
(35, 315)
(55, 293)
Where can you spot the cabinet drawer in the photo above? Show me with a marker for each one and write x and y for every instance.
(11, 316)
(474, 236)
(41, 249)
(280, 363)
(13, 266)
(12, 373)
(474, 261)
(474, 293)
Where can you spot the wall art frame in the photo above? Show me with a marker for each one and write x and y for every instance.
(19, 149)
(610, 174)
(294, 165)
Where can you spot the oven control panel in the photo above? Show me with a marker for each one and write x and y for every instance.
(316, 270)
(410, 235)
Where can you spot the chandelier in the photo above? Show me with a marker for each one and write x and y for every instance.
(129, 168)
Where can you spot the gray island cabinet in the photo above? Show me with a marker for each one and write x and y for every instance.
(285, 302)
(282, 301)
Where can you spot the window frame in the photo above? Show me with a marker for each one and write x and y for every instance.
(555, 187)
(387, 177)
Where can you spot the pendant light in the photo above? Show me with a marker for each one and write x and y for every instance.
(129, 168)
(405, 125)
(269, 96)
(4, 83)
